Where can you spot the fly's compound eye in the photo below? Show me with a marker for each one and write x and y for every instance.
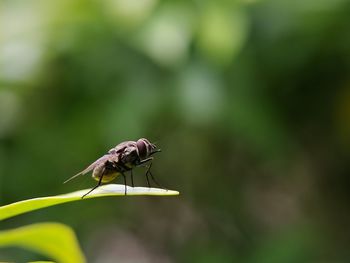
(142, 148)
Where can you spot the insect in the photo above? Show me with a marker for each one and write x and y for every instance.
(119, 160)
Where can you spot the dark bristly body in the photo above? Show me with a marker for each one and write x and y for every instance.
(119, 160)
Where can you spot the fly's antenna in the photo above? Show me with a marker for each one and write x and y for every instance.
(157, 150)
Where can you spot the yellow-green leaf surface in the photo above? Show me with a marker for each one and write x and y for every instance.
(56, 241)
(105, 190)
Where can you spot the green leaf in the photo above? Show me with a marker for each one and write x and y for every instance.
(104, 190)
(53, 240)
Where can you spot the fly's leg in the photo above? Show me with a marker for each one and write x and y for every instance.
(145, 161)
(124, 177)
(148, 168)
(108, 166)
(98, 184)
(122, 168)
(148, 172)
(154, 180)
(149, 185)
(132, 178)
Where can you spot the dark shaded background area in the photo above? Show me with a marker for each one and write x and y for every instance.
(249, 101)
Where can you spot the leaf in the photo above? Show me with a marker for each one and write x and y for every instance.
(54, 240)
(104, 190)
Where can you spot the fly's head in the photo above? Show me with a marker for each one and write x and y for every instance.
(146, 148)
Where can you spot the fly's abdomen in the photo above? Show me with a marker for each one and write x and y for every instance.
(108, 174)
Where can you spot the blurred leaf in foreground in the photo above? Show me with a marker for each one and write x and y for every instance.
(54, 240)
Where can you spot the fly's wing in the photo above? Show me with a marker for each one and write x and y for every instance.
(103, 159)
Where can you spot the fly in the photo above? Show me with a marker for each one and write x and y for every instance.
(121, 159)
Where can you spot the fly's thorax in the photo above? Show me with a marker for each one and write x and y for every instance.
(130, 157)
(121, 147)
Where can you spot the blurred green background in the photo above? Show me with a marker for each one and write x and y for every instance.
(249, 101)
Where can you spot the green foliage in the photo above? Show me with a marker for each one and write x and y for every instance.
(56, 241)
